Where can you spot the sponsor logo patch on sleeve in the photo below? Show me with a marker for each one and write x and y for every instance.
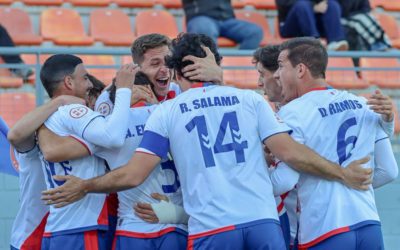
(78, 112)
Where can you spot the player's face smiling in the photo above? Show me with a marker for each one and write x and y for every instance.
(80, 82)
(153, 66)
(269, 84)
(286, 77)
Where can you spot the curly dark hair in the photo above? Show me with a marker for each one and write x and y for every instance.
(189, 44)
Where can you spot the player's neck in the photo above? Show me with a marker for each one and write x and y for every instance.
(314, 84)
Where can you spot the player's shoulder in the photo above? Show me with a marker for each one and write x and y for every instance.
(74, 110)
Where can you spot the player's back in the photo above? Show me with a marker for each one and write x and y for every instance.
(92, 209)
(163, 179)
(340, 127)
(215, 138)
(28, 226)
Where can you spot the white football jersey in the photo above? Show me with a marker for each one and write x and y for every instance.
(163, 179)
(215, 135)
(340, 127)
(92, 209)
(28, 226)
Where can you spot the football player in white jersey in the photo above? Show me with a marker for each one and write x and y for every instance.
(341, 127)
(66, 74)
(266, 60)
(221, 165)
(28, 227)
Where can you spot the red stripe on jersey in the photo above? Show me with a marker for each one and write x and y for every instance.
(145, 235)
(324, 237)
(47, 234)
(103, 216)
(114, 244)
(190, 244)
(215, 231)
(83, 144)
(91, 240)
(34, 241)
(138, 104)
(112, 204)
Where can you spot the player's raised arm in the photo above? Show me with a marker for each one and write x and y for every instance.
(110, 132)
(382, 104)
(128, 176)
(306, 160)
(60, 148)
(22, 134)
(386, 169)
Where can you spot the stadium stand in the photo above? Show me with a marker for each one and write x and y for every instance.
(344, 79)
(6, 2)
(104, 75)
(391, 28)
(148, 21)
(134, 3)
(92, 3)
(7, 79)
(18, 24)
(43, 2)
(63, 27)
(241, 78)
(175, 4)
(14, 105)
(389, 5)
(258, 18)
(111, 26)
(262, 4)
(384, 78)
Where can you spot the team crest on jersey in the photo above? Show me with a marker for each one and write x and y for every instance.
(78, 112)
(104, 108)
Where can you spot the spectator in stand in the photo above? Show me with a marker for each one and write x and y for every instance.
(6, 41)
(363, 32)
(314, 18)
(216, 18)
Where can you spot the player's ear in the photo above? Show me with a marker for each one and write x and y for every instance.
(68, 82)
(301, 69)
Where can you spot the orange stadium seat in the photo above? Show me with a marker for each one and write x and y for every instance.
(6, 2)
(104, 75)
(176, 4)
(241, 78)
(93, 3)
(43, 2)
(344, 79)
(111, 26)
(19, 26)
(262, 4)
(7, 79)
(155, 21)
(14, 105)
(383, 79)
(63, 27)
(238, 3)
(389, 5)
(389, 24)
(261, 20)
(134, 3)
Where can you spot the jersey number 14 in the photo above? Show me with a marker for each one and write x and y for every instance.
(229, 120)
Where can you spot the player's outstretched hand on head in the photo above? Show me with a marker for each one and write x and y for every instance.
(126, 75)
(72, 190)
(142, 93)
(381, 104)
(356, 176)
(203, 69)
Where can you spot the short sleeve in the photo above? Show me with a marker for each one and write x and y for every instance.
(293, 120)
(155, 138)
(268, 121)
(71, 119)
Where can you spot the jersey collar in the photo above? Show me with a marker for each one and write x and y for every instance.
(201, 84)
(318, 88)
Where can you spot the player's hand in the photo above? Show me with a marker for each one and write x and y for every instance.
(126, 75)
(381, 104)
(357, 176)
(69, 99)
(142, 93)
(146, 212)
(321, 7)
(203, 69)
(72, 190)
